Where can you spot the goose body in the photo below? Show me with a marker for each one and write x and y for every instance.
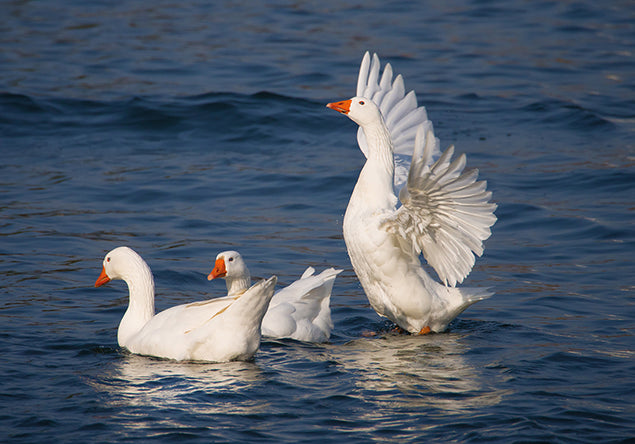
(216, 330)
(442, 212)
(299, 311)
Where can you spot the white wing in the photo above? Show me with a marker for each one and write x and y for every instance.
(302, 310)
(445, 212)
(401, 113)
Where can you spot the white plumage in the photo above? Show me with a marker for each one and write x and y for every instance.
(300, 311)
(442, 212)
(216, 330)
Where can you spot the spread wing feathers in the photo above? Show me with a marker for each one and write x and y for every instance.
(401, 113)
(445, 214)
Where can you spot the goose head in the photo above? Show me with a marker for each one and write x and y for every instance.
(228, 264)
(360, 110)
(119, 264)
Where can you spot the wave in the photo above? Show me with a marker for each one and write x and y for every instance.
(560, 113)
(22, 114)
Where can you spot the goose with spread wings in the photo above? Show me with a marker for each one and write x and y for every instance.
(442, 211)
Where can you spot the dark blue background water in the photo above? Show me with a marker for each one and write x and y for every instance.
(185, 128)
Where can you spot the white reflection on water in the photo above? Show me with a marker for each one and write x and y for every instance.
(138, 382)
(400, 378)
(420, 372)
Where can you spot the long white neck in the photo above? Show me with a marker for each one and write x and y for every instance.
(237, 285)
(141, 305)
(375, 183)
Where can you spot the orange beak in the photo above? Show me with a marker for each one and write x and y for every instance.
(219, 270)
(343, 107)
(102, 279)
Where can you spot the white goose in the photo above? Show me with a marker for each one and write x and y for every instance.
(300, 311)
(445, 214)
(216, 330)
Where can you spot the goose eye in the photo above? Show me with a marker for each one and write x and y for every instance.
(107, 259)
(361, 102)
(230, 259)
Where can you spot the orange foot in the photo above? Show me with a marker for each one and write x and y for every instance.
(424, 331)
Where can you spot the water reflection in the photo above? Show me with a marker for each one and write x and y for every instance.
(417, 372)
(138, 381)
(390, 375)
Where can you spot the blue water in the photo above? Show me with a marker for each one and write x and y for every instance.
(182, 129)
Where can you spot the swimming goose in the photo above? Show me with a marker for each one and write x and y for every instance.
(216, 330)
(442, 213)
(300, 311)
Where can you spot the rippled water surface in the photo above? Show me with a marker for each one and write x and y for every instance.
(182, 129)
